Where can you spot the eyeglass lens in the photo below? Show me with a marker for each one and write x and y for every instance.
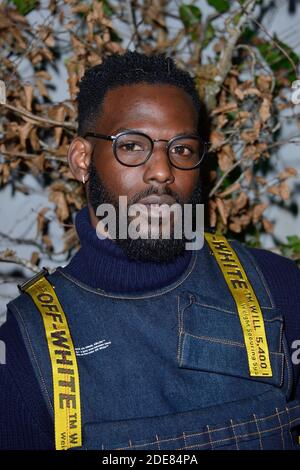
(134, 149)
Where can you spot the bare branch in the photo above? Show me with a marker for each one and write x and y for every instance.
(224, 176)
(9, 256)
(131, 6)
(225, 61)
(21, 241)
(46, 122)
(12, 280)
(31, 242)
(62, 159)
(275, 43)
(292, 140)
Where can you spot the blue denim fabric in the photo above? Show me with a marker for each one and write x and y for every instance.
(172, 372)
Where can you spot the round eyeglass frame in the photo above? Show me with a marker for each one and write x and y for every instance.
(114, 139)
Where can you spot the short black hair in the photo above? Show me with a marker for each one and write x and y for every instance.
(128, 69)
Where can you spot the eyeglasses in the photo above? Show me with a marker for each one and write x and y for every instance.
(132, 148)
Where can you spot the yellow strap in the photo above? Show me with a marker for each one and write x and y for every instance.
(67, 413)
(249, 310)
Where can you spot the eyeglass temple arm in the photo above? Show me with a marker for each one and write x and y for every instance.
(99, 136)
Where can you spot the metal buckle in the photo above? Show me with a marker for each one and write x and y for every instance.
(24, 286)
(210, 229)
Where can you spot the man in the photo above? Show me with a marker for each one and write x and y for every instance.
(164, 359)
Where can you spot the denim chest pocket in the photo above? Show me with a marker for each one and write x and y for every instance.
(211, 340)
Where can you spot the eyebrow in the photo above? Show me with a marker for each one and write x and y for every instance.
(124, 129)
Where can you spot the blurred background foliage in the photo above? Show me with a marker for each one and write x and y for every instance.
(242, 72)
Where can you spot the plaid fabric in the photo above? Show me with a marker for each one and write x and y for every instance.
(256, 433)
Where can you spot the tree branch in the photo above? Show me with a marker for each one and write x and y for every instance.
(9, 256)
(131, 6)
(62, 159)
(225, 61)
(47, 122)
(21, 241)
(273, 41)
(291, 140)
(224, 176)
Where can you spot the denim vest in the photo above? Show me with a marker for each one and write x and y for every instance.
(190, 391)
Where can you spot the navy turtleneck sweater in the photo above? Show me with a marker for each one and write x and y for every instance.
(101, 263)
(24, 419)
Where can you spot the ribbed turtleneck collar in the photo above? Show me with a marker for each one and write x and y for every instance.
(101, 263)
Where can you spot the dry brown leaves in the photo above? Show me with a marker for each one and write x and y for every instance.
(243, 117)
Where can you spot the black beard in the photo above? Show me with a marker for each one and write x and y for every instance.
(157, 250)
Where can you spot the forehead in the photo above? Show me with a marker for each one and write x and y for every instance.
(142, 104)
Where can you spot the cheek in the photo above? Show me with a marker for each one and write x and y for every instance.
(120, 180)
(130, 181)
(185, 183)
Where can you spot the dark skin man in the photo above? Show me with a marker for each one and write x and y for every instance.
(162, 112)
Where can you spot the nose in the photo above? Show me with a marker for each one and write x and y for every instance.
(158, 169)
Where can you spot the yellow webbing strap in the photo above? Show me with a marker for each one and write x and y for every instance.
(66, 391)
(248, 307)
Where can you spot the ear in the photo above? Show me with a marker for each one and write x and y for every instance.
(79, 157)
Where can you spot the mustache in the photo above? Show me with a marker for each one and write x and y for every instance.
(152, 191)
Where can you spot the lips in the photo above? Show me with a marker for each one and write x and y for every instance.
(156, 207)
(154, 199)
